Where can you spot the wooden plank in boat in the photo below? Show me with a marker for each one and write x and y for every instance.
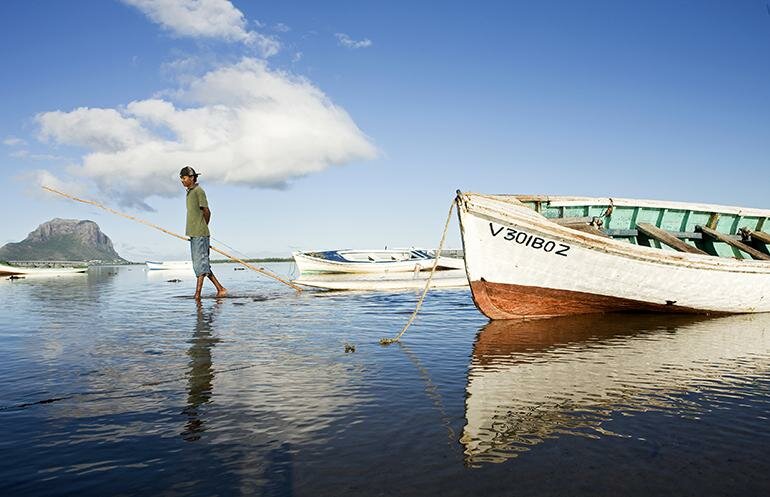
(756, 254)
(757, 239)
(584, 224)
(667, 238)
(621, 233)
(569, 221)
(761, 236)
(588, 228)
(713, 221)
(685, 235)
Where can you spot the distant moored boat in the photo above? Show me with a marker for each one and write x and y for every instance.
(172, 265)
(540, 256)
(371, 261)
(6, 270)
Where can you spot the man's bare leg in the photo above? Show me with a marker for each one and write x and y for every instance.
(199, 287)
(221, 291)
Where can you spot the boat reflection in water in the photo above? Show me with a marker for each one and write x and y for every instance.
(453, 278)
(530, 381)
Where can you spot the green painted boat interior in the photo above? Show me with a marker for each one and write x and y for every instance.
(621, 222)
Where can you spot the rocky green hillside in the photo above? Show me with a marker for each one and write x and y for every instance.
(63, 240)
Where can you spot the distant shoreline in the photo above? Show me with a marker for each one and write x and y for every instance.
(129, 263)
(265, 259)
(225, 261)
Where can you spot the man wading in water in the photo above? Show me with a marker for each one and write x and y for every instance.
(198, 216)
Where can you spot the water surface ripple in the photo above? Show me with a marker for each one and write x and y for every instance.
(116, 382)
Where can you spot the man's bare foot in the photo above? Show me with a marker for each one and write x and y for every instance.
(222, 292)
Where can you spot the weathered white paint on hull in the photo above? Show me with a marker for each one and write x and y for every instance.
(520, 264)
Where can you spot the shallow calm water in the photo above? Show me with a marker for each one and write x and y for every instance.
(117, 383)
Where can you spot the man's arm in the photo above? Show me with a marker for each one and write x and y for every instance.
(206, 214)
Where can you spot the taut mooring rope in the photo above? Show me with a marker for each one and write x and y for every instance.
(113, 211)
(388, 341)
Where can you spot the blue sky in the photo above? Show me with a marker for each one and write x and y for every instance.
(350, 124)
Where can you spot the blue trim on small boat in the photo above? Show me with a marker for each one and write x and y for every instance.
(328, 255)
(334, 255)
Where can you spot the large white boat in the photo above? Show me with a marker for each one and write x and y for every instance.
(6, 270)
(371, 261)
(542, 256)
(168, 265)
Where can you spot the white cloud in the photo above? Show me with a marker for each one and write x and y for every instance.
(346, 41)
(26, 154)
(44, 178)
(281, 28)
(12, 141)
(181, 68)
(239, 124)
(267, 45)
(205, 19)
(104, 130)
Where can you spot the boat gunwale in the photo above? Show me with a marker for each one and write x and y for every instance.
(574, 201)
(531, 219)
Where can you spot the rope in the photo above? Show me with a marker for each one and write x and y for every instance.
(147, 223)
(609, 209)
(388, 341)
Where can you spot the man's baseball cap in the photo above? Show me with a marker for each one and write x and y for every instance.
(188, 171)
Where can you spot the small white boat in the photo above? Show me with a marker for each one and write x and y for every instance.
(384, 281)
(371, 261)
(6, 270)
(169, 265)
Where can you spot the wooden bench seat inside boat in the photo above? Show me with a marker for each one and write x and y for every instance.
(714, 234)
(645, 232)
(649, 231)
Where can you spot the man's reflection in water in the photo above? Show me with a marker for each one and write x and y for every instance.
(201, 373)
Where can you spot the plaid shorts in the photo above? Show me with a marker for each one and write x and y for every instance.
(199, 248)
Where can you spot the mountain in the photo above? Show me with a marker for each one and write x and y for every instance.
(63, 240)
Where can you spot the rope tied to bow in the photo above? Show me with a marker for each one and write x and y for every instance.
(388, 341)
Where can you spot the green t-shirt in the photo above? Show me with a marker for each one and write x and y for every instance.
(196, 225)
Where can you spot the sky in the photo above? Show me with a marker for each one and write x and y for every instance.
(342, 124)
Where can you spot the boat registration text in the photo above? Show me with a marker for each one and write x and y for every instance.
(529, 240)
